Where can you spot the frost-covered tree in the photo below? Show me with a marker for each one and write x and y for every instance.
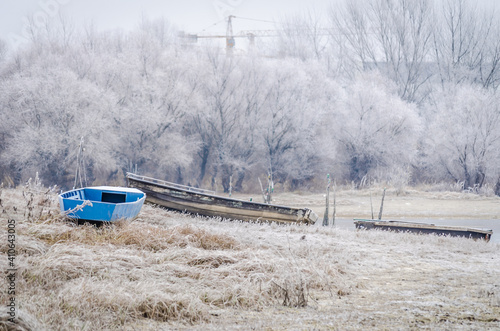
(279, 126)
(288, 122)
(466, 46)
(151, 103)
(393, 36)
(3, 50)
(220, 117)
(255, 91)
(463, 142)
(302, 36)
(48, 110)
(374, 129)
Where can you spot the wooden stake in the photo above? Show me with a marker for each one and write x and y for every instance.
(325, 217)
(262, 190)
(334, 203)
(270, 187)
(381, 206)
(371, 203)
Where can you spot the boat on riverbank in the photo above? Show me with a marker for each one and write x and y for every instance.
(101, 203)
(424, 228)
(207, 203)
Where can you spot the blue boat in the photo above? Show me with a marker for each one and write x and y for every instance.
(102, 203)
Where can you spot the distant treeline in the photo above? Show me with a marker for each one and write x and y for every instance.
(403, 92)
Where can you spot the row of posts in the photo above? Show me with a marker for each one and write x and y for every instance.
(326, 220)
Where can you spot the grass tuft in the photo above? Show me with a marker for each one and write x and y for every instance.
(142, 235)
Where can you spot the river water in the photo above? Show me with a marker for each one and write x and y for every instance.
(346, 223)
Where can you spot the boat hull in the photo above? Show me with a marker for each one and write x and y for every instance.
(422, 228)
(195, 201)
(103, 203)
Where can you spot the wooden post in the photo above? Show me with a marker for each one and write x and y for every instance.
(230, 185)
(270, 187)
(325, 217)
(371, 203)
(334, 203)
(381, 206)
(262, 190)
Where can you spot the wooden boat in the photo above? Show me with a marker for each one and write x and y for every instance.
(102, 203)
(203, 202)
(442, 230)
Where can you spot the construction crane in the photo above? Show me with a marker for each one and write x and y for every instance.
(250, 34)
(230, 36)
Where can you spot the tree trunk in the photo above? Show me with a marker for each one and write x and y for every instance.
(226, 173)
(238, 187)
(180, 179)
(497, 187)
(359, 167)
(205, 152)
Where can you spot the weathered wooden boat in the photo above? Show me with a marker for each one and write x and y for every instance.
(442, 230)
(102, 203)
(206, 203)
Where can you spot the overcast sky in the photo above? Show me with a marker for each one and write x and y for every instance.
(192, 16)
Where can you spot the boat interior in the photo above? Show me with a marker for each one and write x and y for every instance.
(101, 195)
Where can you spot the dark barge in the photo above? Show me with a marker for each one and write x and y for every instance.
(423, 228)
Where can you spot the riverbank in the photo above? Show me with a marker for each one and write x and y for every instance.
(171, 271)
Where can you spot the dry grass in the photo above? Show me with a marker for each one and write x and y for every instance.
(167, 270)
(140, 235)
